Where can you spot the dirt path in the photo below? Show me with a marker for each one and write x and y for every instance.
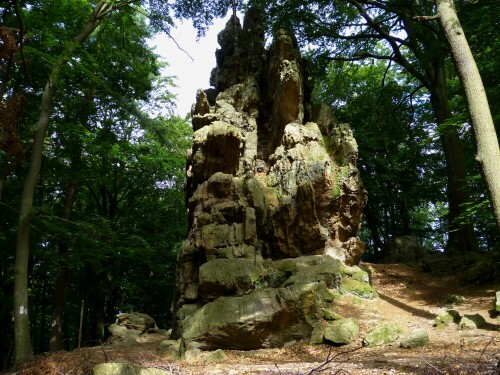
(408, 296)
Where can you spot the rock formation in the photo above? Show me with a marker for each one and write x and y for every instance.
(274, 201)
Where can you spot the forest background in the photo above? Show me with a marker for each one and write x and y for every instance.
(92, 159)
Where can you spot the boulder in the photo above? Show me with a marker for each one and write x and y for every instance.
(403, 249)
(471, 322)
(383, 333)
(497, 302)
(169, 349)
(318, 333)
(447, 318)
(136, 321)
(126, 369)
(454, 299)
(215, 356)
(342, 331)
(129, 327)
(417, 338)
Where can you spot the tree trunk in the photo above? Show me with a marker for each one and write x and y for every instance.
(60, 293)
(488, 150)
(373, 226)
(461, 238)
(23, 348)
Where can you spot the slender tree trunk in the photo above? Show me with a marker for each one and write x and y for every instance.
(59, 300)
(62, 279)
(488, 150)
(43, 317)
(373, 226)
(23, 348)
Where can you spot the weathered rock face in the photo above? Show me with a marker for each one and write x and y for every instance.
(274, 202)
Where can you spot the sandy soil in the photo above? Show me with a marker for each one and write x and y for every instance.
(407, 296)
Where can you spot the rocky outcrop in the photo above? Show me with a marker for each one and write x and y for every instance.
(274, 200)
(130, 328)
(403, 249)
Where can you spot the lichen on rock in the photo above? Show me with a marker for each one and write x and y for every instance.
(274, 201)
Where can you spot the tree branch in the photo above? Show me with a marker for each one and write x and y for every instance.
(21, 39)
(162, 29)
(398, 55)
(419, 18)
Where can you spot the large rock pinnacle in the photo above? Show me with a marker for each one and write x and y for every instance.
(274, 202)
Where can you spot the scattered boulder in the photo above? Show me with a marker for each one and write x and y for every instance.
(216, 356)
(169, 349)
(126, 369)
(417, 338)
(454, 299)
(471, 322)
(497, 302)
(403, 249)
(358, 288)
(136, 321)
(130, 327)
(447, 318)
(382, 333)
(318, 333)
(341, 332)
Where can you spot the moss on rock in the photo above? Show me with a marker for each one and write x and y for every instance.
(383, 333)
(358, 288)
(342, 331)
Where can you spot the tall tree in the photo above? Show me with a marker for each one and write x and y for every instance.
(488, 150)
(21, 320)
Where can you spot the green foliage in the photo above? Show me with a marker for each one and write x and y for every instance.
(203, 12)
(401, 168)
(128, 218)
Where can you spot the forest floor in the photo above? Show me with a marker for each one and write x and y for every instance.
(407, 295)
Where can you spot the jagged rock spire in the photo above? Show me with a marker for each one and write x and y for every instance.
(264, 185)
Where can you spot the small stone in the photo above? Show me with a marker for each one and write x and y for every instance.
(151, 371)
(471, 322)
(342, 331)
(117, 368)
(191, 354)
(454, 299)
(216, 356)
(113, 368)
(289, 343)
(383, 333)
(169, 349)
(418, 337)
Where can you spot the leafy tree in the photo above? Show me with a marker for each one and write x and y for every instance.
(488, 150)
(58, 30)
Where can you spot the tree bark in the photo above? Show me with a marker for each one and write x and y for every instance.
(373, 226)
(488, 150)
(62, 279)
(461, 238)
(23, 348)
